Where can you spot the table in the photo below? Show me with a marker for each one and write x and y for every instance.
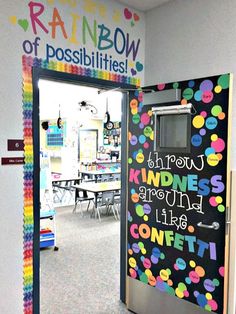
(98, 173)
(57, 183)
(98, 187)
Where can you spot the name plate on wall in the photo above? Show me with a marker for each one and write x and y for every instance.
(12, 161)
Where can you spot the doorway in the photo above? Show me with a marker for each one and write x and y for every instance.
(101, 84)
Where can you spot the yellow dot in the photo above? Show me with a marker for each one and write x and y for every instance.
(134, 111)
(164, 275)
(198, 122)
(152, 136)
(192, 264)
(145, 218)
(214, 137)
(132, 262)
(218, 89)
(179, 293)
(208, 296)
(219, 199)
(143, 251)
(140, 158)
(150, 113)
(213, 160)
(148, 272)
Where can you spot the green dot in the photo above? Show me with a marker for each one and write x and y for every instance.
(144, 278)
(162, 256)
(216, 282)
(175, 85)
(216, 110)
(136, 119)
(130, 160)
(168, 271)
(223, 81)
(182, 287)
(147, 131)
(140, 151)
(141, 245)
(188, 93)
(221, 208)
(170, 291)
(139, 210)
(208, 308)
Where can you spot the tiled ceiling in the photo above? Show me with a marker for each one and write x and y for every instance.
(143, 5)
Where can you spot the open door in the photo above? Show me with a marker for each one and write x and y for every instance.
(178, 197)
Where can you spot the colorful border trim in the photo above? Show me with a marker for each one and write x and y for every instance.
(28, 225)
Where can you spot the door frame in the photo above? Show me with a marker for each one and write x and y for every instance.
(39, 73)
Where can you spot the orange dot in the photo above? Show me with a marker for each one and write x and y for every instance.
(134, 103)
(170, 282)
(130, 252)
(184, 102)
(221, 116)
(191, 229)
(135, 198)
(200, 271)
(219, 156)
(130, 135)
(152, 281)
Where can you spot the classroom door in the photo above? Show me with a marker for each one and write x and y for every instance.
(178, 195)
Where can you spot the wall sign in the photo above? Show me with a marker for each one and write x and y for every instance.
(177, 201)
(12, 160)
(15, 145)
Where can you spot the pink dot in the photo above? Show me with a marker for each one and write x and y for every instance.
(222, 271)
(186, 293)
(218, 145)
(161, 86)
(140, 97)
(212, 201)
(133, 273)
(194, 277)
(147, 263)
(176, 267)
(146, 145)
(145, 118)
(159, 279)
(207, 97)
(213, 305)
(203, 114)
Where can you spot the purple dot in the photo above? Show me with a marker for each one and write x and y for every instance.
(202, 132)
(141, 125)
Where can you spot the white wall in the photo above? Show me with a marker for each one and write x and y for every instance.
(187, 39)
(11, 177)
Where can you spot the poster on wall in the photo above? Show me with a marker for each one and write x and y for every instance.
(177, 199)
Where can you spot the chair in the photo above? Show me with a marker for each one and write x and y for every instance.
(107, 201)
(82, 196)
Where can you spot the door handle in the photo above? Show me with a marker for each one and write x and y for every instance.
(215, 225)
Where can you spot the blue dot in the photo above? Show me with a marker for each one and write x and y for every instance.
(211, 123)
(191, 83)
(132, 191)
(188, 280)
(196, 140)
(135, 154)
(201, 300)
(198, 95)
(142, 139)
(209, 151)
(156, 252)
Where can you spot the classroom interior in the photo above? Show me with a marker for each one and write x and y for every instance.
(80, 180)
